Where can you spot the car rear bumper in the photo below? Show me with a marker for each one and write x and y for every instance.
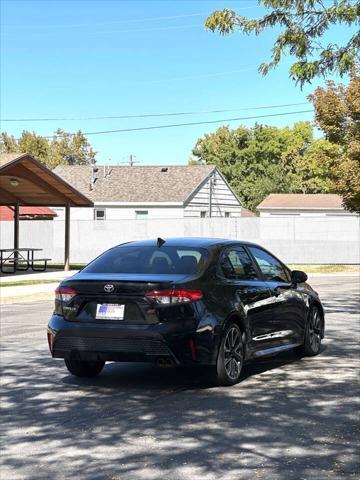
(114, 342)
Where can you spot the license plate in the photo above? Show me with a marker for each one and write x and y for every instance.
(109, 311)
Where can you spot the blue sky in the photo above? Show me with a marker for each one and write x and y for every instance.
(92, 58)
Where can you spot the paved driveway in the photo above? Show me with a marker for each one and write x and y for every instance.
(289, 418)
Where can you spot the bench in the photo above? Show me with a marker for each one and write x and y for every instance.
(42, 267)
(21, 259)
(20, 264)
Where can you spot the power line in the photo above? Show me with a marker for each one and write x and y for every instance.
(202, 75)
(154, 127)
(129, 20)
(147, 115)
(115, 22)
(91, 32)
(119, 22)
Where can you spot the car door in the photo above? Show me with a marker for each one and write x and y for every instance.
(287, 306)
(249, 294)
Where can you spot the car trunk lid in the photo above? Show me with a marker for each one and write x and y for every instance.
(122, 292)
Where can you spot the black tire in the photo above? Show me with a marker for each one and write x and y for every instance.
(230, 357)
(84, 368)
(312, 341)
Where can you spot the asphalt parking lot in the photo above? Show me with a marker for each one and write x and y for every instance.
(289, 418)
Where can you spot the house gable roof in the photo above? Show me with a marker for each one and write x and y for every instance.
(204, 181)
(137, 184)
(301, 201)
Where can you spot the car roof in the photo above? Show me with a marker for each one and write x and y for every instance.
(204, 242)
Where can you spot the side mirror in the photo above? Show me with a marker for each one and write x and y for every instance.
(297, 276)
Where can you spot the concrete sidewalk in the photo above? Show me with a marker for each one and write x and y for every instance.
(50, 274)
(28, 293)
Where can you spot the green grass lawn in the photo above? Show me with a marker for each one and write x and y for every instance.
(73, 266)
(325, 268)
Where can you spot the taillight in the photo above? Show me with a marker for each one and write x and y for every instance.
(192, 349)
(50, 340)
(174, 296)
(65, 294)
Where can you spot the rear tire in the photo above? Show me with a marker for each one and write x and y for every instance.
(312, 341)
(230, 357)
(84, 368)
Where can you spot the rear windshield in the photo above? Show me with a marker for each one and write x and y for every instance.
(163, 260)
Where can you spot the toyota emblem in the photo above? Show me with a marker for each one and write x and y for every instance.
(108, 288)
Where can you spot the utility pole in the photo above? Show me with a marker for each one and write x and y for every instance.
(16, 230)
(131, 160)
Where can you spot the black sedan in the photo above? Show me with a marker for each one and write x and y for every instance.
(184, 301)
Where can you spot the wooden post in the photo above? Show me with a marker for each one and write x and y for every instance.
(16, 227)
(67, 238)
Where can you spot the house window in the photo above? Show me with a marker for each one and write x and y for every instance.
(99, 214)
(141, 214)
(203, 214)
(227, 214)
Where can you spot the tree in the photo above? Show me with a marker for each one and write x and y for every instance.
(71, 149)
(8, 143)
(34, 145)
(313, 172)
(262, 160)
(64, 148)
(337, 113)
(303, 24)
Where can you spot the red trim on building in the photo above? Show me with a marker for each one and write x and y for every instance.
(27, 213)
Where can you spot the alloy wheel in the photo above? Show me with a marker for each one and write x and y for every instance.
(315, 330)
(233, 353)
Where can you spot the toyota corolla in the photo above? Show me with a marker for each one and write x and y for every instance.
(204, 302)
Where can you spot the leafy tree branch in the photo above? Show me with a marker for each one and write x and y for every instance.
(303, 24)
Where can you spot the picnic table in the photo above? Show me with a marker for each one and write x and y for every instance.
(21, 259)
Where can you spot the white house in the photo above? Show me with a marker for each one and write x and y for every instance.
(145, 192)
(302, 204)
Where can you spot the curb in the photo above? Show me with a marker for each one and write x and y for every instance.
(26, 298)
(28, 293)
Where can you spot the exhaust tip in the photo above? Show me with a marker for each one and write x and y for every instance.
(165, 362)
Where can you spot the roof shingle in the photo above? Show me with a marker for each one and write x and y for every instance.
(9, 157)
(302, 201)
(143, 184)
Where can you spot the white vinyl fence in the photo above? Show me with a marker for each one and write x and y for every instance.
(308, 240)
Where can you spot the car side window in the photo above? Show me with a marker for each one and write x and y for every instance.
(236, 264)
(270, 267)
